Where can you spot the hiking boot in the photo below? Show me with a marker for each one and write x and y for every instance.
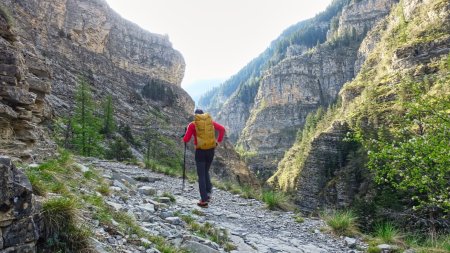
(202, 204)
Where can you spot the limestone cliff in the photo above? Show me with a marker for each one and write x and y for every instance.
(86, 38)
(326, 170)
(291, 90)
(57, 42)
(49, 45)
(304, 79)
(25, 83)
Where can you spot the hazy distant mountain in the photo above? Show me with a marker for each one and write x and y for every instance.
(197, 88)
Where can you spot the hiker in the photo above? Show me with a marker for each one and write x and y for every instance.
(204, 130)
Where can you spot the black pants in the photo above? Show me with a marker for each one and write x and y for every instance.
(203, 160)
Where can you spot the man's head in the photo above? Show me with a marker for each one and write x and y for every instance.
(199, 111)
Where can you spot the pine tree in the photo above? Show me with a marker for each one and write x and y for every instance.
(119, 149)
(109, 125)
(85, 125)
(151, 139)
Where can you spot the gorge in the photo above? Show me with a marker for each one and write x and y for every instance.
(346, 110)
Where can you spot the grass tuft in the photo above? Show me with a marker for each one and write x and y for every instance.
(198, 212)
(342, 222)
(299, 219)
(387, 233)
(104, 189)
(62, 229)
(170, 196)
(207, 230)
(275, 200)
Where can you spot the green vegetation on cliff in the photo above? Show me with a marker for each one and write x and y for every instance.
(397, 109)
(245, 83)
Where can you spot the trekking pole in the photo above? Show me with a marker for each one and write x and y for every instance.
(184, 166)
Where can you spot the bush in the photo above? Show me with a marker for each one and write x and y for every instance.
(342, 222)
(119, 150)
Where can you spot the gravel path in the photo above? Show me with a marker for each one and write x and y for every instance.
(252, 227)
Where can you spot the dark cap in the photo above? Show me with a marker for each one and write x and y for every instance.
(198, 111)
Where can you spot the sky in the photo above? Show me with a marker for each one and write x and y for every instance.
(217, 37)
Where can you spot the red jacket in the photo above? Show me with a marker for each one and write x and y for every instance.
(191, 131)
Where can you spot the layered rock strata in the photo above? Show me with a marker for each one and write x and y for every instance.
(291, 90)
(299, 84)
(80, 38)
(332, 172)
(25, 81)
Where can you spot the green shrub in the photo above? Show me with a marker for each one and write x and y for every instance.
(89, 175)
(248, 192)
(188, 219)
(341, 222)
(207, 230)
(119, 150)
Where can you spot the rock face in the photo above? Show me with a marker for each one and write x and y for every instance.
(360, 16)
(326, 179)
(24, 84)
(288, 92)
(87, 39)
(300, 84)
(333, 172)
(20, 222)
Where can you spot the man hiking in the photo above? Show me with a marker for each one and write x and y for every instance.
(204, 130)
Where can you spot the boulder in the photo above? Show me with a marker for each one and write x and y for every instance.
(20, 222)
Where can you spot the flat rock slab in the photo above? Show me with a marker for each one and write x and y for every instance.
(198, 247)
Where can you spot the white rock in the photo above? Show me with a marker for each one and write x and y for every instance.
(164, 200)
(233, 216)
(147, 190)
(115, 188)
(116, 206)
(198, 248)
(173, 220)
(350, 242)
(82, 167)
(147, 207)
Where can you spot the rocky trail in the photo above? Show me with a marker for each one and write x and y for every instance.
(251, 227)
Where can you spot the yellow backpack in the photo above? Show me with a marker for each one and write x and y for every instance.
(204, 128)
